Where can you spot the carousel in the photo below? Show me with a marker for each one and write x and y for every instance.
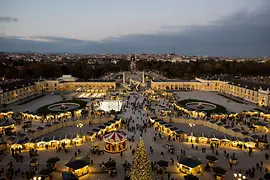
(115, 142)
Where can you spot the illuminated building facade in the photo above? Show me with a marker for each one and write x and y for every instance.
(11, 92)
(245, 90)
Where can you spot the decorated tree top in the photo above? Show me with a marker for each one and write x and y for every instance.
(141, 169)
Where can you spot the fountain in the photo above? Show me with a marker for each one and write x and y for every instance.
(201, 106)
(63, 106)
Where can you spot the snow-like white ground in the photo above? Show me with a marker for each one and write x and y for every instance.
(213, 97)
(108, 105)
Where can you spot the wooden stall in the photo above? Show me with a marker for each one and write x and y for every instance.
(190, 166)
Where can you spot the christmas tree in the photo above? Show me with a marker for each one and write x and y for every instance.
(141, 169)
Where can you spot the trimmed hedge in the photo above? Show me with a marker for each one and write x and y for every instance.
(44, 109)
(219, 108)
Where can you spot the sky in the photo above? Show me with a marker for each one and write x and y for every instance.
(191, 27)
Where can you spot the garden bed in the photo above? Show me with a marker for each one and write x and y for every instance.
(218, 109)
(44, 109)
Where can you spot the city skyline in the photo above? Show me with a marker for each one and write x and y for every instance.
(193, 28)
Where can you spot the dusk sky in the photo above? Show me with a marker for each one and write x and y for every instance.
(192, 27)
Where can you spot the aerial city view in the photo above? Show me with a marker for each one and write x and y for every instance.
(134, 90)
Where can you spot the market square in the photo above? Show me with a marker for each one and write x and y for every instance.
(100, 130)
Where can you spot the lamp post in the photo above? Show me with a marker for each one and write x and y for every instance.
(191, 125)
(37, 178)
(239, 176)
(80, 125)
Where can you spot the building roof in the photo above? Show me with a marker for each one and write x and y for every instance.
(9, 86)
(78, 163)
(190, 162)
(249, 84)
(52, 160)
(96, 80)
(174, 80)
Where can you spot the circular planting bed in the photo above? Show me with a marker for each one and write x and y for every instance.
(200, 105)
(62, 106)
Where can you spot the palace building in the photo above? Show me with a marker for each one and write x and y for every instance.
(20, 89)
(246, 90)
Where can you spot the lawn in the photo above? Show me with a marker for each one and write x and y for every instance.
(44, 109)
(219, 109)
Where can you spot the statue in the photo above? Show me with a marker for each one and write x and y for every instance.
(133, 64)
(63, 107)
(200, 105)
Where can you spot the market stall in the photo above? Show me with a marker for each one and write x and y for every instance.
(66, 140)
(77, 140)
(190, 165)
(211, 160)
(214, 140)
(78, 166)
(236, 141)
(203, 138)
(249, 143)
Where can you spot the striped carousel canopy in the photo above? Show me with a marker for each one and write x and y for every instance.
(115, 137)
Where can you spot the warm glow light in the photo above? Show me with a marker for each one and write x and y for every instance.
(235, 175)
(80, 125)
(239, 179)
(239, 175)
(244, 177)
(191, 125)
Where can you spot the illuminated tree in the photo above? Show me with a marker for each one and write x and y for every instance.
(141, 169)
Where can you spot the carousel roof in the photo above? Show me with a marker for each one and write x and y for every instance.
(115, 136)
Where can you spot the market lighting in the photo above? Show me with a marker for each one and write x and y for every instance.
(191, 125)
(239, 176)
(80, 125)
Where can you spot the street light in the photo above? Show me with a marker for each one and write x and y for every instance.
(191, 125)
(37, 178)
(80, 125)
(239, 176)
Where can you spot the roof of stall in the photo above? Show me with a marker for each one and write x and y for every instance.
(173, 128)
(78, 163)
(190, 162)
(96, 130)
(247, 139)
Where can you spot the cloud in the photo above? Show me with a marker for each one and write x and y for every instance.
(245, 33)
(6, 19)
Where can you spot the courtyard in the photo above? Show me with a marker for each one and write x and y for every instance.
(245, 161)
(213, 97)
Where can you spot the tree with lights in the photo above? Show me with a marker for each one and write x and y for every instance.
(141, 169)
